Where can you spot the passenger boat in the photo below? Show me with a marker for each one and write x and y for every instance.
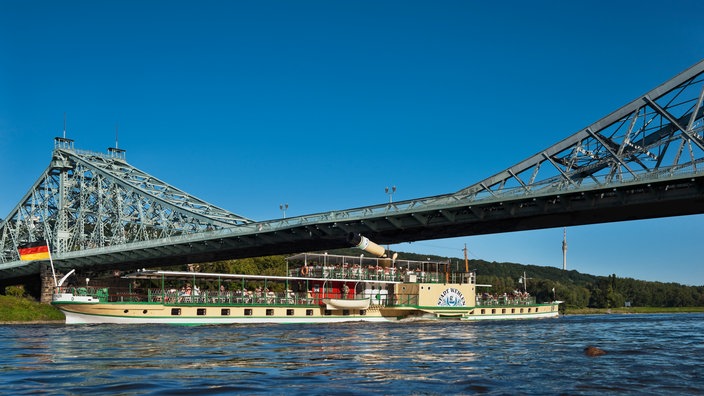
(318, 288)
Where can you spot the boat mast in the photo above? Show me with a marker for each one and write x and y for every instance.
(466, 262)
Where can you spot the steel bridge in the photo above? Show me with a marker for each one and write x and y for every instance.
(644, 160)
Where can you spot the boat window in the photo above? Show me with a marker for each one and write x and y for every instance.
(269, 312)
(144, 312)
(362, 312)
(200, 311)
(289, 312)
(493, 311)
(175, 311)
(503, 310)
(328, 312)
(528, 310)
(225, 312)
(345, 312)
(125, 311)
(513, 310)
(483, 311)
(521, 310)
(248, 312)
(309, 312)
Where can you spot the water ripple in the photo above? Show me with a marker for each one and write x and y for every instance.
(653, 354)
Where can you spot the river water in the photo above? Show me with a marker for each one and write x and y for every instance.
(646, 354)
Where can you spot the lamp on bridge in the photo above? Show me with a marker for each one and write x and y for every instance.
(391, 192)
(283, 208)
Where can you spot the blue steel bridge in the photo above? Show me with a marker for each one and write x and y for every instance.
(644, 160)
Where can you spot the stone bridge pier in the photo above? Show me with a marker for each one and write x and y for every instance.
(47, 280)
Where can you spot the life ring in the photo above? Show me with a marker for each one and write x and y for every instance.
(304, 271)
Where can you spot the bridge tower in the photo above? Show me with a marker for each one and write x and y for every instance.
(94, 201)
(62, 166)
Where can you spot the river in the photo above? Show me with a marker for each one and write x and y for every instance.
(646, 354)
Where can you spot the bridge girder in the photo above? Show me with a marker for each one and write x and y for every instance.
(622, 202)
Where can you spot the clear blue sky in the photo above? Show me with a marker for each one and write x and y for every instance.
(322, 104)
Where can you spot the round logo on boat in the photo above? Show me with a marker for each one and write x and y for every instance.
(451, 298)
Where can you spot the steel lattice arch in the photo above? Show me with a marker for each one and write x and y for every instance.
(86, 200)
(644, 160)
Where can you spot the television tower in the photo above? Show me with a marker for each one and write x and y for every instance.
(564, 249)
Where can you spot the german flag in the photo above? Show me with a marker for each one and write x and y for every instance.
(34, 251)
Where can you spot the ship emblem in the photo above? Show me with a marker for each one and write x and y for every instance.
(451, 298)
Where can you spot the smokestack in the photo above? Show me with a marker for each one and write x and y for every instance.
(362, 242)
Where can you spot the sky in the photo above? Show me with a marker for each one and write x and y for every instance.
(322, 104)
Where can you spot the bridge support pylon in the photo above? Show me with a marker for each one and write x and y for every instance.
(47, 280)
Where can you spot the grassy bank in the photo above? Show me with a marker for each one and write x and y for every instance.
(16, 309)
(631, 310)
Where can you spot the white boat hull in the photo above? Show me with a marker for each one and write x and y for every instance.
(80, 318)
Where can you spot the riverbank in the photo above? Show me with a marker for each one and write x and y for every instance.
(27, 310)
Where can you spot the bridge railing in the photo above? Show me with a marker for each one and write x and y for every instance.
(543, 188)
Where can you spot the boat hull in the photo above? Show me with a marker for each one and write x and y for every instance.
(150, 313)
(81, 318)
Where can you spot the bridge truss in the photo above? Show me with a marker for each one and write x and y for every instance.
(644, 160)
(657, 135)
(87, 200)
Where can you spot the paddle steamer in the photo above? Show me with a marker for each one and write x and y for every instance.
(318, 288)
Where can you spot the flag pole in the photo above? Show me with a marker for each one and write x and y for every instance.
(51, 261)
